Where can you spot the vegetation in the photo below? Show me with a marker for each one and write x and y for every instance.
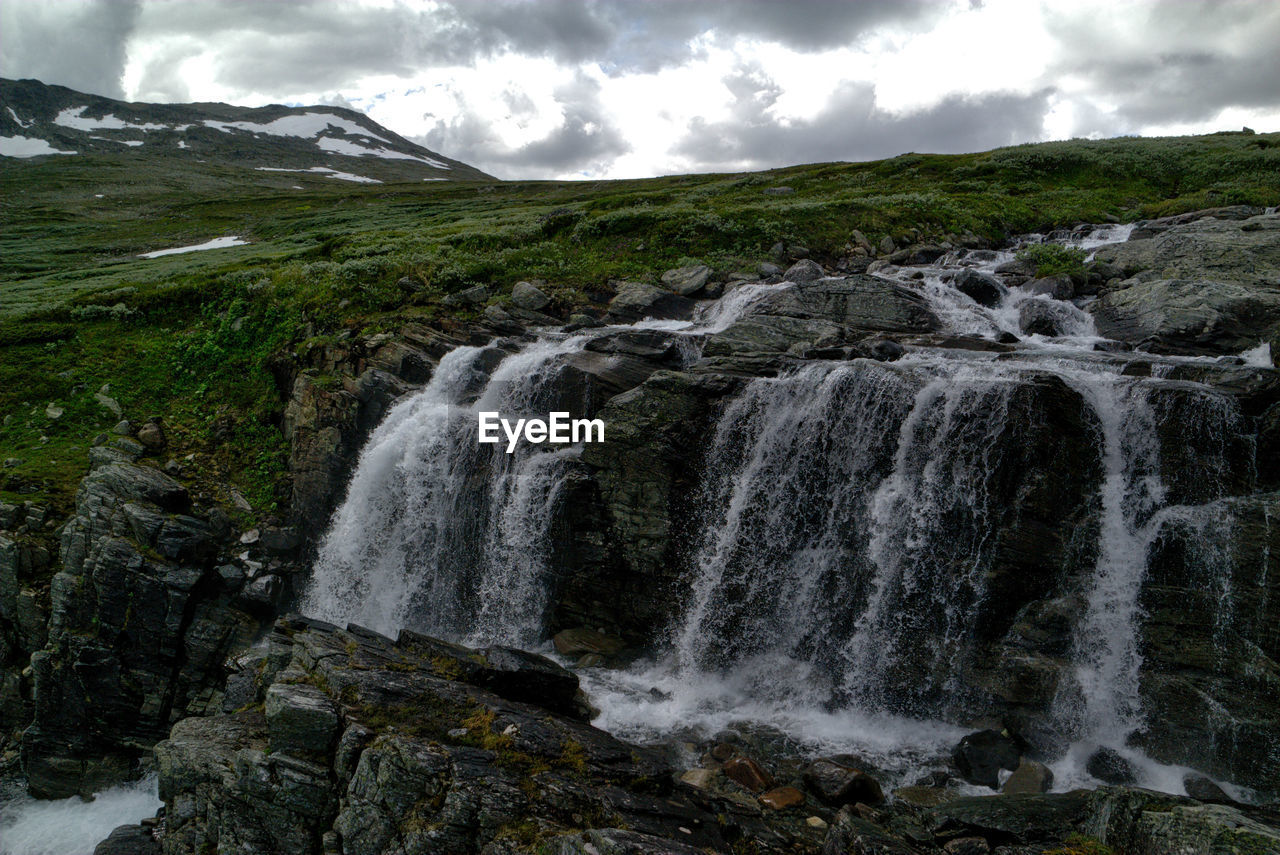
(1052, 258)
(188, 338)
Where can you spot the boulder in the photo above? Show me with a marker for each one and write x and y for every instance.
(152, 435)
(1202, 789)
(838, 784)
(748, 773)
(1059, 286)
(129, 840)
(782, 798)
(1107, 764)
(526, 295)
(636, 301)
(982, 288)
(1041, 317)
(805, 270)
(1030, 777)
(686, 280)
(981, 756)
(476, 295)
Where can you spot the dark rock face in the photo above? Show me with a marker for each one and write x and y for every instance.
(981, 756)
(141, 623)
(1107, 765)
(425, 762)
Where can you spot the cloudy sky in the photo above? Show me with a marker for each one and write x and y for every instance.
(629, 88)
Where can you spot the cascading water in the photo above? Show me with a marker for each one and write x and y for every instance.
(441, 534)
(848, 532)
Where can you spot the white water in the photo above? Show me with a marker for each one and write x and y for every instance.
(845, 529)
(72, 826)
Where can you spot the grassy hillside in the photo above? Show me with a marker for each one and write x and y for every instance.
(187, 337)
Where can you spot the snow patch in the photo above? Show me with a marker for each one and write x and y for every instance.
(342, 146)
(182, 143)
(16, 146)
(307, 125)
(122, 142)
(216, 243)
(72, 118)
(322, 170)
(17, 119)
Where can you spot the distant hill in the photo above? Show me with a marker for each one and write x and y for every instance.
(275, 146)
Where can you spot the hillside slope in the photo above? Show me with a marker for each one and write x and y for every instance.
(273, 146)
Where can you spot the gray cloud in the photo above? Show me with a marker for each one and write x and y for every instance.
(1169, 71)
(852, 127)
(585, 141)
(75, 43)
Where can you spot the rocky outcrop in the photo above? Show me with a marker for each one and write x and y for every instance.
(144, 611)
(352, 743)
(1206, 286)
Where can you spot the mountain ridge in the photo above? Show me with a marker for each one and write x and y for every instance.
(279, 142)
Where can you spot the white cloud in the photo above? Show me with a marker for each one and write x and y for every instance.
(570, 88)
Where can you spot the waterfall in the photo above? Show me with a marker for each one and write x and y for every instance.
(844, 533)
(439, 532)
(442, 534)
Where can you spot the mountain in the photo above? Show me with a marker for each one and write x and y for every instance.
(273, 146)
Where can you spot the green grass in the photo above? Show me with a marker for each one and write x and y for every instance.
(187, 337)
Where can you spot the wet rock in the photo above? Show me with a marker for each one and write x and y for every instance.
(700, 778)
(981, 756)
(838, 784)
(580, 641)
(1059, 287)
(924, 795)
(782, 798)
(748, 773)
(1106, 764)
(1202, 789)
(983, 289)
(615, 841)
(686, 280)
(1040, 317)
(1029, 819)
(636, 301)
(526, 295)
(129, 840)
(1030, 777)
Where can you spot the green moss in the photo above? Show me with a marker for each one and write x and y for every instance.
(1052, 258)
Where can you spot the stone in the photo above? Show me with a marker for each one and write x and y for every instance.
(768, 269)
(636, 301)
(301, 720)
(129, 840)
(410, 284)
(109, 403)
(925, 796)
(887, 246)
(53, 412)
(152, 435)
(782, 798)
(1203, 789)
(967, 846)
(981, 756)
(817, 823)
(805, 270)
(838, 784)
(686, 280)
(1041, 317)
(983, 289)
(476, 295)
(700, 778)
(1059, 286)
(1107, 764)
(526, 295)
(748, 773)
(580, 641)
(123, 428)
(1030, 777)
